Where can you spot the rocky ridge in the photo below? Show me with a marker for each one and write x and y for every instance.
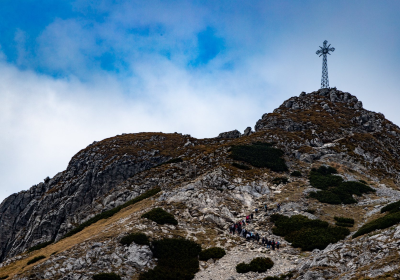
(206, 193)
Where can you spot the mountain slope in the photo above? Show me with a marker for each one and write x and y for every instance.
(206, 192)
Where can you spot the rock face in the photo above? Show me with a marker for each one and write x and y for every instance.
(230, 134)
(206, 191)
(50, 209)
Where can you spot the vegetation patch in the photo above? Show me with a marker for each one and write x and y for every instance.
(333, 189)
(280, 180)
(380, 223)
(296, 174)
(256, 265)
(260, 155)
(344, 222)
(177, 259)
(392, 207)
(35, 259)
(111, 212)
(106, 276)
(137, 237)
(160, 216)
(212, 253)
(241, 166)
(174, 160)
(280, 277)
(305, 233)
(311, 211)
(40, 246)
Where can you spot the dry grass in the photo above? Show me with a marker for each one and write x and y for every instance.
(95, 232)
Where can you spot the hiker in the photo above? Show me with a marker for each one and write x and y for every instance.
(247, 236)
(263, 241)
(256, 210)
(269, 244)
(266, 208)
(277, 245)
(258, 238)
(251, 216)
(278, 207)
(273, 244)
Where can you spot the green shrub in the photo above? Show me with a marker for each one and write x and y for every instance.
(212, 253)
(326, 197)
(357, 188)
(256, 265)
(323, 182)
(334, 190)
(35, 259)
(174, 160)
(40, 246)
(111, 212)
(380, 223)
(296, 174)
(106, 276)
(4, 277)
(311, 211)
(325, 170)
(260, 155)
(177, 260)
(280, 180)
(392, 207)
(306, 233)
(281, 277)
(343, 224)
(285, 225)
(138, 238)
(344, 220)
(309, 239)
(241, 166)
(160, 216)
(242, 268)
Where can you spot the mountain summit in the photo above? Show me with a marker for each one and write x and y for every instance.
(331, 165)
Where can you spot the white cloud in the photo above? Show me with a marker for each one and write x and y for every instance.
(46, 121)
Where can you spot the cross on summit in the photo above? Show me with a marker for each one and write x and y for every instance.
(324, 51)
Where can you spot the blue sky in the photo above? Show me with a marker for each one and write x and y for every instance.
(74, 72)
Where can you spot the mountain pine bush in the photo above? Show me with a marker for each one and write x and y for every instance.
(137, 237)
(211, 253)
(177, 259)
(40, 246)
(380, 223)
(333, 189)
(305, 233)
(256, 265)
(260, 155)
(36, 259)
(106, 276)
(392, 207)
(160, 216)
(296, 174)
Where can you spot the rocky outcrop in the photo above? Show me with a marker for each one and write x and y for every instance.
(353, 258)
(230, 134)
(50, 209)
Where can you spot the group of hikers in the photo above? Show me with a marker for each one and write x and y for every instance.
(238, 228)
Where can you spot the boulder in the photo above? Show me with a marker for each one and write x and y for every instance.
(230, 134)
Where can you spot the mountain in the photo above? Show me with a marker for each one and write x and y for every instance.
(320, 155)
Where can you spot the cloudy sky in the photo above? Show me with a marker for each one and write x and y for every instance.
(74, 72)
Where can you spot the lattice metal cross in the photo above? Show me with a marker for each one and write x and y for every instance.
(324, 51)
